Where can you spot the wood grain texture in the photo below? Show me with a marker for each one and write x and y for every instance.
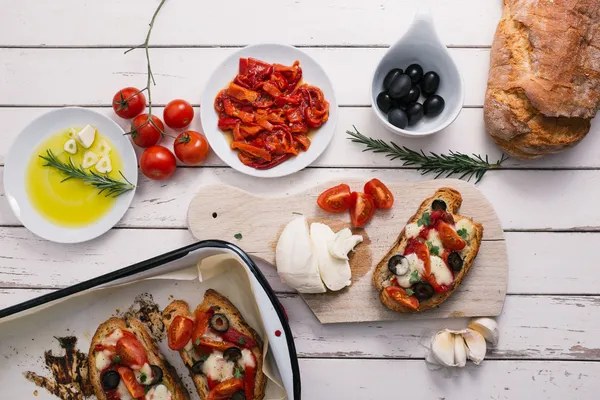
(220, 212)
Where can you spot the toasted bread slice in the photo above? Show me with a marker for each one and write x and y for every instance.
(221, 304)
(170, 378)
(453, 201)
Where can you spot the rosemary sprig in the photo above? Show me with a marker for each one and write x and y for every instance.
(110, 186)
(441, 164)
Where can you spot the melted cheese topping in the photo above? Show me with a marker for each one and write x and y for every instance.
(415, 264)
(158, 392)
(212, 336)
(123, 392)
(217, 368)
(247, 359)
(434, 238)
(103, 359)
(467, 225)
(442, 273)
(145, 371)
(113, 338)
(412, 230)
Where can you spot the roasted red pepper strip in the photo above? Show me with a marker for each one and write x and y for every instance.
(241, 93)
(226, 389)
(274, 162)
(249, 381)
(200, 326)
(206, 343)
(238, 338)
(252, 150)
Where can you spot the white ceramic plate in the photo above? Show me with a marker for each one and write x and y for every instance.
(313, 74)
(22, 150)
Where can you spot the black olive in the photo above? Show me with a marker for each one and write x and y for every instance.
(423, 290)
(396, 261)
(391, 76)
(414, 112)
(438, 205)
(455, 261)
(434, 105)
(219, 322)
(238, 396)
(384, 101)
(430, 83)
(157, 374)
(398, 118)
(232, 354)
(415, 72)
(197, 367)
(412, 96)
(110, 379)
(400, 87)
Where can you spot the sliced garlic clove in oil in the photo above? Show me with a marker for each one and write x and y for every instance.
(89, 159)
(72, 133)
(104, 165)
(71, 146)
(103, 148)
(460, 351)
(476, 347)
(488, 329)
(442, 348)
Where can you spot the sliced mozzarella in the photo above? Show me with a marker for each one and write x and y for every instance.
(335, 273)
(123, 392)
(113, 338)
(412, 230)
(89, 159)
(104, 148)
(71, 146)
(158, 392)
(144, 374)
(415, 264)
(467, 225)
(189, 346)
(296, 260)
(86, 136)
(104, 166)
(217, 368)
(247, 359)
(434, 239)
(103, 359)
(441, 271)
(343, 243)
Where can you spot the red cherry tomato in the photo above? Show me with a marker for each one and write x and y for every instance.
(335, 199)
(180, 332)
(226, 389)
(401, 297)
(449, 237)
(382, 196)
(144, 132)
(178, 114)
(135, 389)
(419, 248)
(436, 286)
(201, 326)
(191, 148)
(362, 208)
(158, 163)
(131, 352)
(129, 102)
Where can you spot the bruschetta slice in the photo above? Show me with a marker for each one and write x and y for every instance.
(431, 257)
(222, 352)
(125, 363)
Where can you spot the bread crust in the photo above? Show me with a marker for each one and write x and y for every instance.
(212, 298)
(544, 81)
(170, 378)
(453, 201)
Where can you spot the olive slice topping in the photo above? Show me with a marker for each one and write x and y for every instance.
(110, 379)
(438, 205)
(219, 322)
(197, 367)
(157, 374)
(239, 395)
(423, 290)
(232, 354)
(455, 261)
(398, 265)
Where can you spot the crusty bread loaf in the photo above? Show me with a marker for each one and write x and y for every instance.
(544, 82)
(453, 201)
(213, 299)
(170, 378)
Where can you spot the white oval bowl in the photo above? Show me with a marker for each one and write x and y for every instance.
(21, 151)
(421, 45)
(312, 74)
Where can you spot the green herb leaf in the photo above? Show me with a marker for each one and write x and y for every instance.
(238, 236)
(204, 357)
(463, 233)
(116, 359)
(410, 292)
(239, 372)
(197, 343)
(414, 277)
(425, 219)
(242, 340)
(143, 377)
(443, 165)
(435, 250)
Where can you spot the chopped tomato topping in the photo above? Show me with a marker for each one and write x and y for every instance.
(226, 389)
(449, 237)
(419, 248)
(401, 297)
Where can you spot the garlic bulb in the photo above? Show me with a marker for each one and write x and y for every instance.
(442, 348)
(476, 347)
(488, 329)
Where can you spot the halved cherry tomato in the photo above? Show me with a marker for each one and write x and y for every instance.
(180, 332)
(226, 389)
(362, 208)
(449, 237)
(131, 352)
(382, 196)
(419, 248)
(135, 389)
(129, 102)
(201, 326)
(178, 114)
(335, 199)
(401, 297)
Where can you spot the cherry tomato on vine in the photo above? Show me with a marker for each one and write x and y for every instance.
(145, 133)
(158, 163)
(191, 148)
(128, 102)
(178, 114)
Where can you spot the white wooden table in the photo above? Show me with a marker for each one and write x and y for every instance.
(70, 52)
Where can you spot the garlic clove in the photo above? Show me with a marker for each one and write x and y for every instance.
(89, 159)
(72, 133)
(104, 165)
(460, 351)
(476, 347)
(103, 148)
(71, 146)
(488, 328)
(442, 348)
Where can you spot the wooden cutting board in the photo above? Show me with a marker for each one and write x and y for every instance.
(220, 212)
